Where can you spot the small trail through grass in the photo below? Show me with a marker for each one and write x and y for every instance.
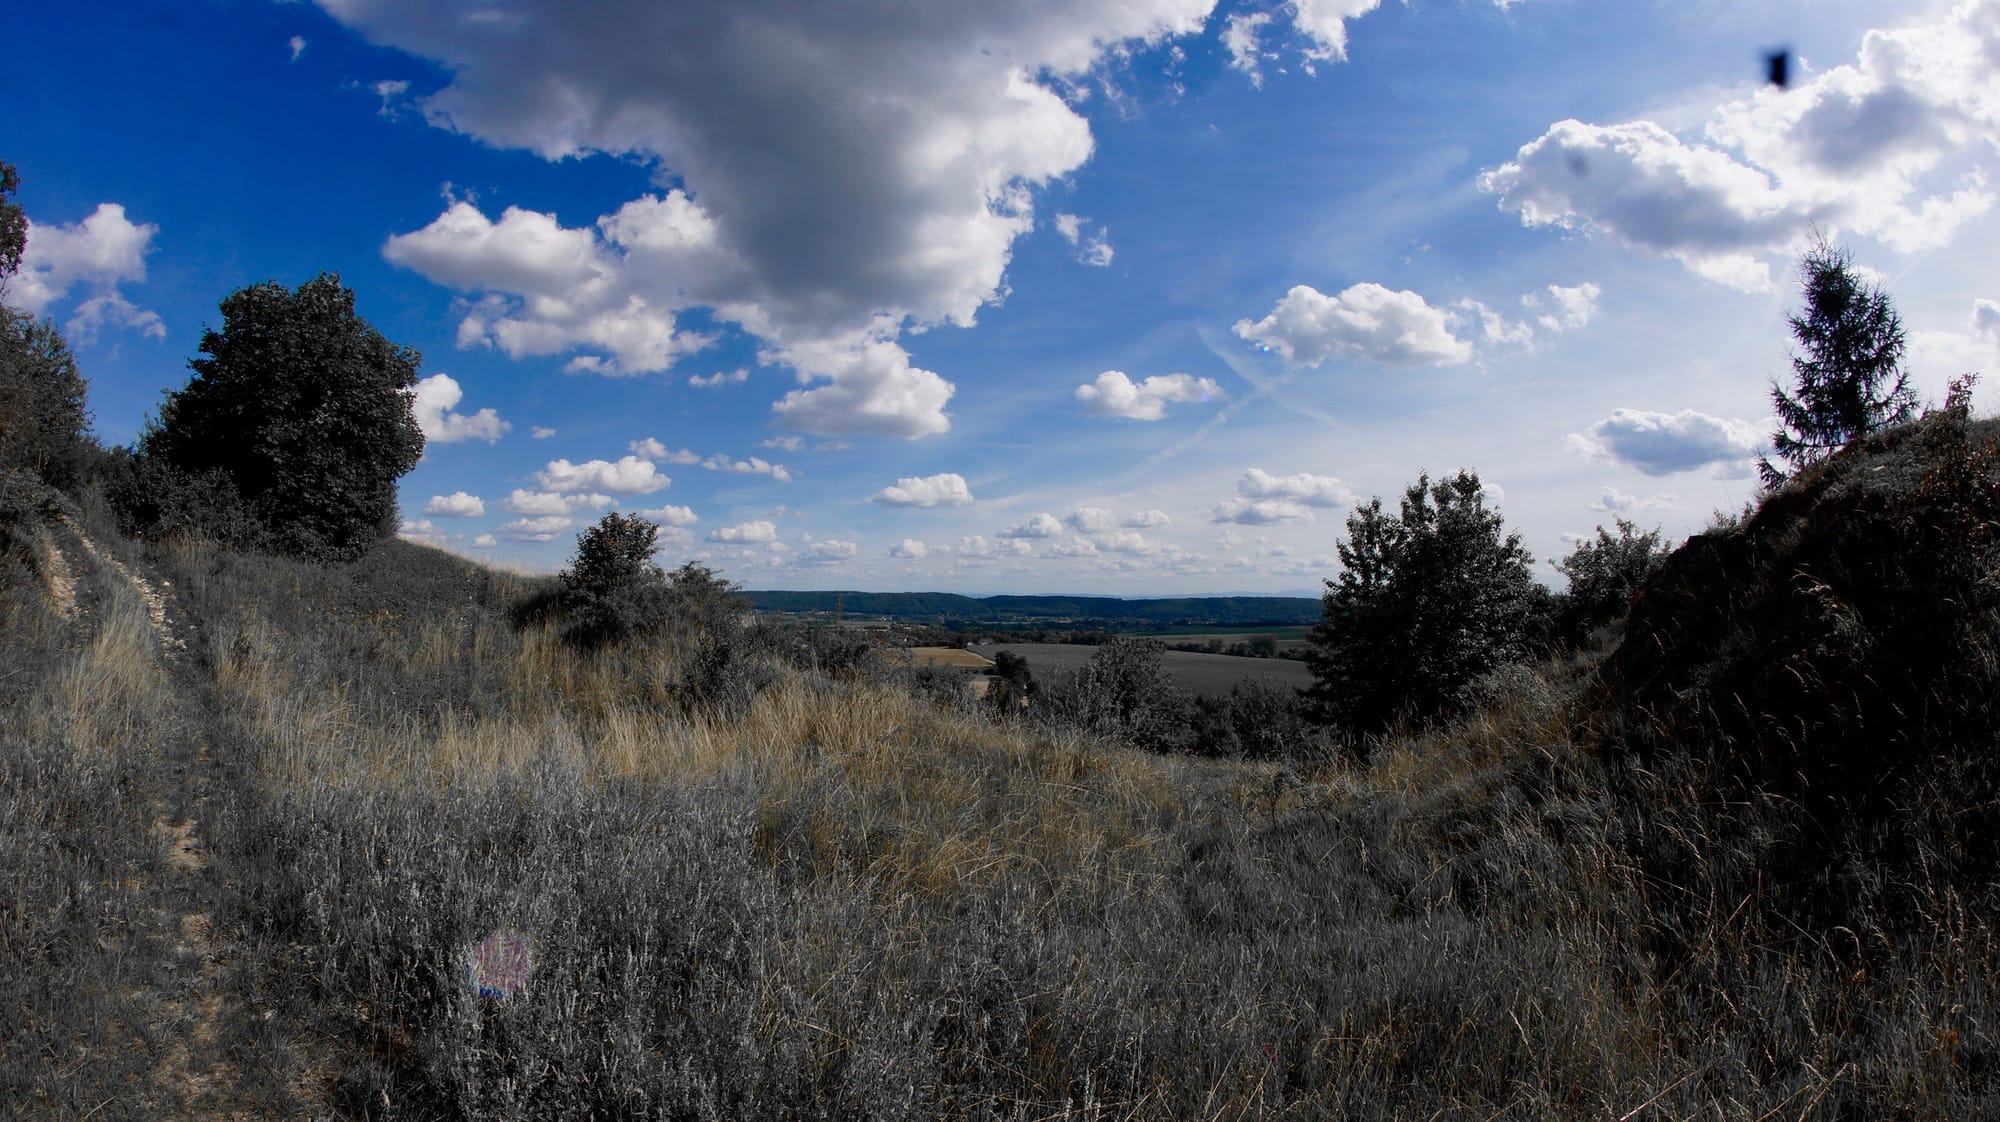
(191, 992)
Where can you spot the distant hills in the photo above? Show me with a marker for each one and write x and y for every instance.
(952, 609)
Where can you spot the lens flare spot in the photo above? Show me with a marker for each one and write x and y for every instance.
(498, 966)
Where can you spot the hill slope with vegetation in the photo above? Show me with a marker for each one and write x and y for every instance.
(304, 821)
(360, 840)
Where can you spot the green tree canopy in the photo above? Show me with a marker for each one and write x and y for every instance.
(1604, 574)
(43, 423)
(305, 408)
(13, 224)
(1847, 373)
(1427, 600)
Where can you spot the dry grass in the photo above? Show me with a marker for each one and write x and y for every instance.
(837, 899)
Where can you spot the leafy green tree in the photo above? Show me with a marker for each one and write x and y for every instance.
(1427, 600)
(1604, 575)
(13, 225)
(44, 427)
(306, 409)
(1848, 369)
(43, 424)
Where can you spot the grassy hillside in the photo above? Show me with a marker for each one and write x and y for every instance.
(346, 842)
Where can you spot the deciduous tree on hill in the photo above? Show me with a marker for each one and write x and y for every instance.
(43, 423)
(1604, 575)
(1427, 600)
(13, 224)
(306, 410)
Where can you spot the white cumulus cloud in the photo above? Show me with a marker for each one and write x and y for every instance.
(910, 549)
(1569, 307)
(458, 504)
(1304, 487)
(1147, 519)
(1365, 322)
(550, 502)
(1091, 249)
(434, 398)
(1239, 37)
(753, 466)
(670, 515)
(1263, 499)
(630, 475)
(1090, 520)
(758, 531)
(1261, 512)
(100, 253)
(1614, 501)
(544, 529)
(829, 552)
(1038, 525)
(945, 489)
(422, 530)
(1114, 394)
(1885, 146)
(1668, 443)
(649, 448)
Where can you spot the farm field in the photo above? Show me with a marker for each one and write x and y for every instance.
(1287, 638)
(1205, 674)
(940, 656)
(1298, 634)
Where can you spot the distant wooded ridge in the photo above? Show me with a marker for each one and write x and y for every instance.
(1220, 610)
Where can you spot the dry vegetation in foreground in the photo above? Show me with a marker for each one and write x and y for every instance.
(825, 895)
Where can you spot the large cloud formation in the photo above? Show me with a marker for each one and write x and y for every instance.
(1885, 147)
(832, 175)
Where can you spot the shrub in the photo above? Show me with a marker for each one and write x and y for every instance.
(1258, 719)
(1124, 692)
(151, 498)
(1013, 682)
(612, 588)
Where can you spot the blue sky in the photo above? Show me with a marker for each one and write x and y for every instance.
(1124, 296)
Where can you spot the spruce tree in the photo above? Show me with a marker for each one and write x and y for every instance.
(1848, 369)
